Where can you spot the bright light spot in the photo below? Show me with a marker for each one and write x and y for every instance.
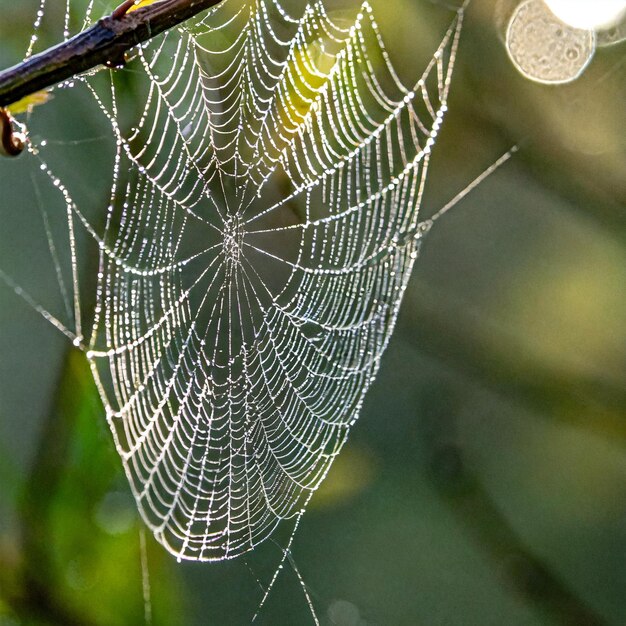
(545, 49)
(588, 14)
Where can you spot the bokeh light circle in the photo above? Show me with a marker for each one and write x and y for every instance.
(545, 49)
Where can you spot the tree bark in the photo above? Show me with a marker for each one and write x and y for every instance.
(105, 43)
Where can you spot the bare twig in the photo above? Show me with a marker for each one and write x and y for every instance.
(105, 43)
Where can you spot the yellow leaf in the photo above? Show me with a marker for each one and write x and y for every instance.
(141, 4)
(26, 104)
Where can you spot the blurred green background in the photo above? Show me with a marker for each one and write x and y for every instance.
(485, 482)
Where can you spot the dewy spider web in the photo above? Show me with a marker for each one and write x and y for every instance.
(261, 232)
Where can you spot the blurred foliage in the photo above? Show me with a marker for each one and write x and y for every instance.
(78, 524)
(486, 480)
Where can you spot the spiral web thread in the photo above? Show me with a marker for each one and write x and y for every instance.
(262, 228)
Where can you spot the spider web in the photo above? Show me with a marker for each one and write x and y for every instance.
(262, 228)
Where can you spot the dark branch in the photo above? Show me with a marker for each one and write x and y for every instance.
(105, 43)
